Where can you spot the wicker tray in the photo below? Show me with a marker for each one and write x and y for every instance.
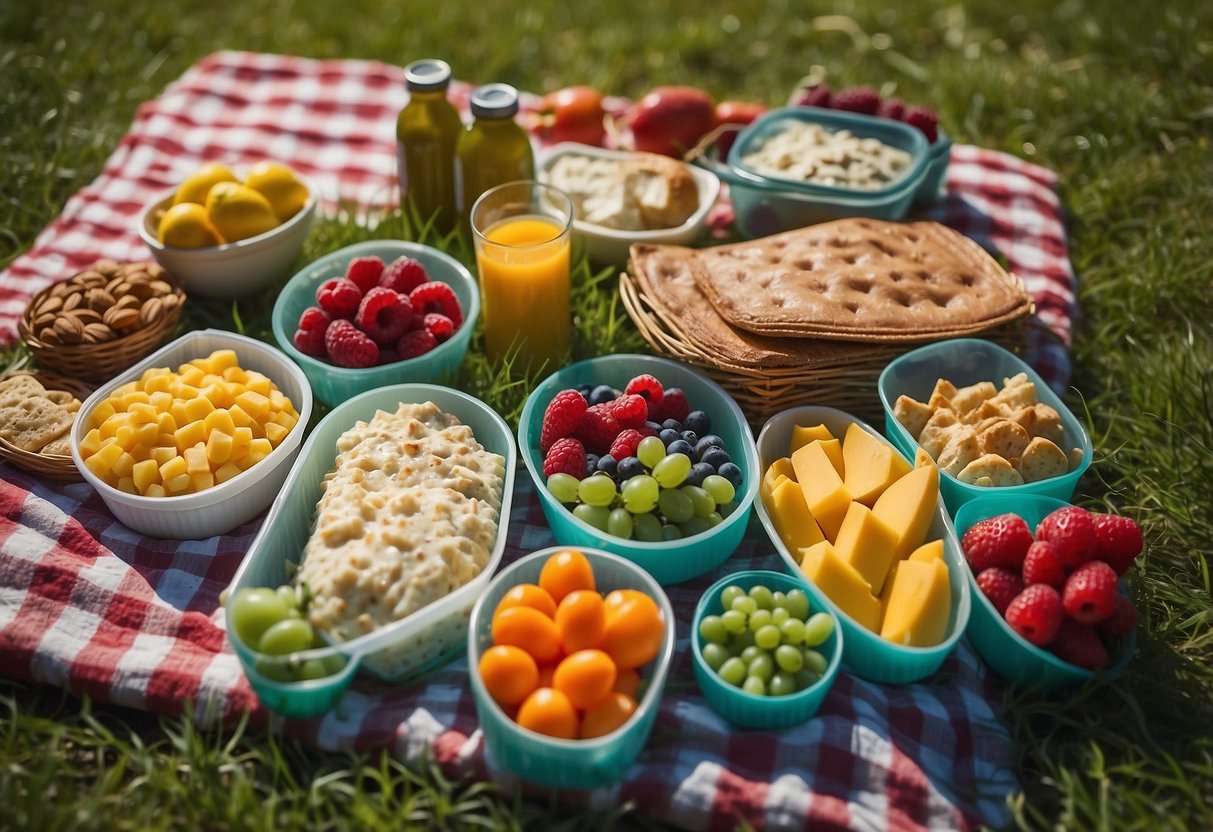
(51, 466)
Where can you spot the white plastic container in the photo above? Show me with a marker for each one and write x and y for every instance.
(219, 509)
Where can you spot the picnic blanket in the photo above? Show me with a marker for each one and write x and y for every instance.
(89, 605)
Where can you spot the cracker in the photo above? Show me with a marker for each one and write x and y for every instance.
(1042, 420)
(943, 388)
(962, 448)
(990, 469)
(911, 414)
(937, 431)
(61, 446)
(968, 399)
(1004, 438)
(17, 387)
(1076, 457)
(1042, 459)
(31, 423)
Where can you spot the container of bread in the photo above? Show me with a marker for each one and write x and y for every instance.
(813, 315)
(621, 197)
(37, 411)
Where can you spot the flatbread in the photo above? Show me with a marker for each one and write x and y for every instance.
(860, 280)
(30, 423)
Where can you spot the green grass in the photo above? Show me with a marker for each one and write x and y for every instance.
(1116, 97)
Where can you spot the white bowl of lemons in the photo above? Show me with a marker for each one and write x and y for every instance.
(223, 236)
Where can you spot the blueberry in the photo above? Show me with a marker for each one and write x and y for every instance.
(585, 390)
(607, 465)
(730, 472)
(698, 421)
(672, 424)
(691, 437)
(709, 441)
(654, 427)
(602, 394)
(679, 446)
(629, 467)
(716, 456)
(699, 471)
(591, 463)
(668, 436)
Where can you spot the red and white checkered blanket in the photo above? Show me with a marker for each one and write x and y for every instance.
(88, 605)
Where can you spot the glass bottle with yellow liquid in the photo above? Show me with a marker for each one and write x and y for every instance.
(495, 149)
(427, 133)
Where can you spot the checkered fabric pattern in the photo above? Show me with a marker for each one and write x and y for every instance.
(88, 605)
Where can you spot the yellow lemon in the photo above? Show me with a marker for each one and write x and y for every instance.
(188, 226)
(198, 185)
(239, 212)
(279, 184)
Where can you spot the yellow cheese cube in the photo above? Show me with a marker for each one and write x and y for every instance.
(835, 577)
(191, 375)
(223, 360)
(908, 506)
(217, 394)
(162, 453)
(178, 484)
(793, 521)
(259, 383)
(236, 374)
(125, 436)
(184, 392)
(155, 490)
(219, 420)
(927, 552)
(226, 471)
(239, 417)
(111, 425)
(147, 434)
(285, 418)
(218, 448)
(255, 404)
(162, 400)
(126, 485)
(803, 435)
(122, 389)
(131, 398)
(868, 544)
(146, 472)
(152, 373)
(198, 408)
(824, 492)
(258, 450)
(123, 465)
(158, 383)
(102, 412)
(90, 443)
(173, 468)
(102, 462)
(167, 423)
(195, 459)
(189, 435)
(142, 413)
(202, 480)
(275, 433)
(870, 464)
(919, 604)
(780, 467)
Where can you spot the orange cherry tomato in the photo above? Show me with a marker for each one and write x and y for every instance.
(634, 628)
(548, 711)
(627, 681)
(585, 677)
(566, 572)
(580, 618)
(529, 629)
(607, 715)
(509, 673)
(528, 595)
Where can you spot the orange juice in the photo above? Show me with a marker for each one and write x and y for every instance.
(524, 284)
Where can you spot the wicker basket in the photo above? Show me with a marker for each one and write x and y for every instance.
(97, 362)
(51, 466)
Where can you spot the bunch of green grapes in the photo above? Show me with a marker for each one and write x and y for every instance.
(273, 623)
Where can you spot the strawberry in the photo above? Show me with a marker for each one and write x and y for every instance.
(561, 417)
(1122, 620)
(1000, 585)
(1042, 565)
(1118, 541)
(997, 541)
(1090, 592)
(1079, 644)
(1036, 614)
(1071, 530)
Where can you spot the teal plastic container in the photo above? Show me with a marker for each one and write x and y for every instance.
(1022, 664)
(965, 361)
(673, 561)
(419, 643)
(865, 653)
(939, 153)
(568, 764)
(747, 710)
(332, 384)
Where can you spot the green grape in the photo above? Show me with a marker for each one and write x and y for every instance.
(275, 669)
(650, 451)
(781, 684)
(818, 628)
(334, 663)
(702, 503)
(750, 652)
(755, 686)
(767, 637)
(713, 520)
(733, 620)
(732, 671)
(640, 493)
(719, 488)
(714, 655)
(670, 532)
(646, 527)
(759, 618)
(287, 636)
(255, 610)
(725, 509)
(598, 490)
(563, 487)
(779, 600)
(814, 661)
(596, 516)
(779, 615)
(671, 471)
(743, 639)
(762, 596)
(798, 604)
(806, 678)
(761, 666)
(314, 669)
(793, 631)
(620, 523)
(289, 597)
(744, 603)
(675, 505)
(712, 629)
(694, 525)
(789, 658)
(729, 593)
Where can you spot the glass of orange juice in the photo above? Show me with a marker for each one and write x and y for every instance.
(522, 232)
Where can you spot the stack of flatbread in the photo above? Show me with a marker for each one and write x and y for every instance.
(813, 315)
(34, 419)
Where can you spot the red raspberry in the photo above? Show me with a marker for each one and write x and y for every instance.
(1036, 614)
(1042, 565)
(414, 343)
(625, 443)
(925, 119)
(439, 325)
(436, 296)
(364, 272)
(404, 274)
(339, 297)
(1000, 585)
(1118, 541)
(673, 405)
(565, 456)
(1079, 644)
(857, 100)
(997, 541)
(1071, 530)
(647, 386)
(384, 315)
(597, 429)
(561, 417)
(1122, 620)
(817, 95)
(309, 337)
(348, 347)
(893, 108)
(1090, 593)
(630, 410)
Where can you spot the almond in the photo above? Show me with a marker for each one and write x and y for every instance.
(49, 305)
(71, 301)
(69, 329)
(151, 310)
(119, 318)
(96, 333)
(98, 299)
(85, 315)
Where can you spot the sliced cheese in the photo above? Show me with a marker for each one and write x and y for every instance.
(908, 505)
(919, 604)
(835, 577)
(867, 543)
(793, 521)
(803, 435)
(824, 492)
(778, 468)
(870, 465)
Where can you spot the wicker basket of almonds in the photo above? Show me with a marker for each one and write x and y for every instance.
(99, 322)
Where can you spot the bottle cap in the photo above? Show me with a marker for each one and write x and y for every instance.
(494, 101)
(427, 75)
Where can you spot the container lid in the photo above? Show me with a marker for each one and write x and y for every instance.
(427, 75)
(494, 101)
